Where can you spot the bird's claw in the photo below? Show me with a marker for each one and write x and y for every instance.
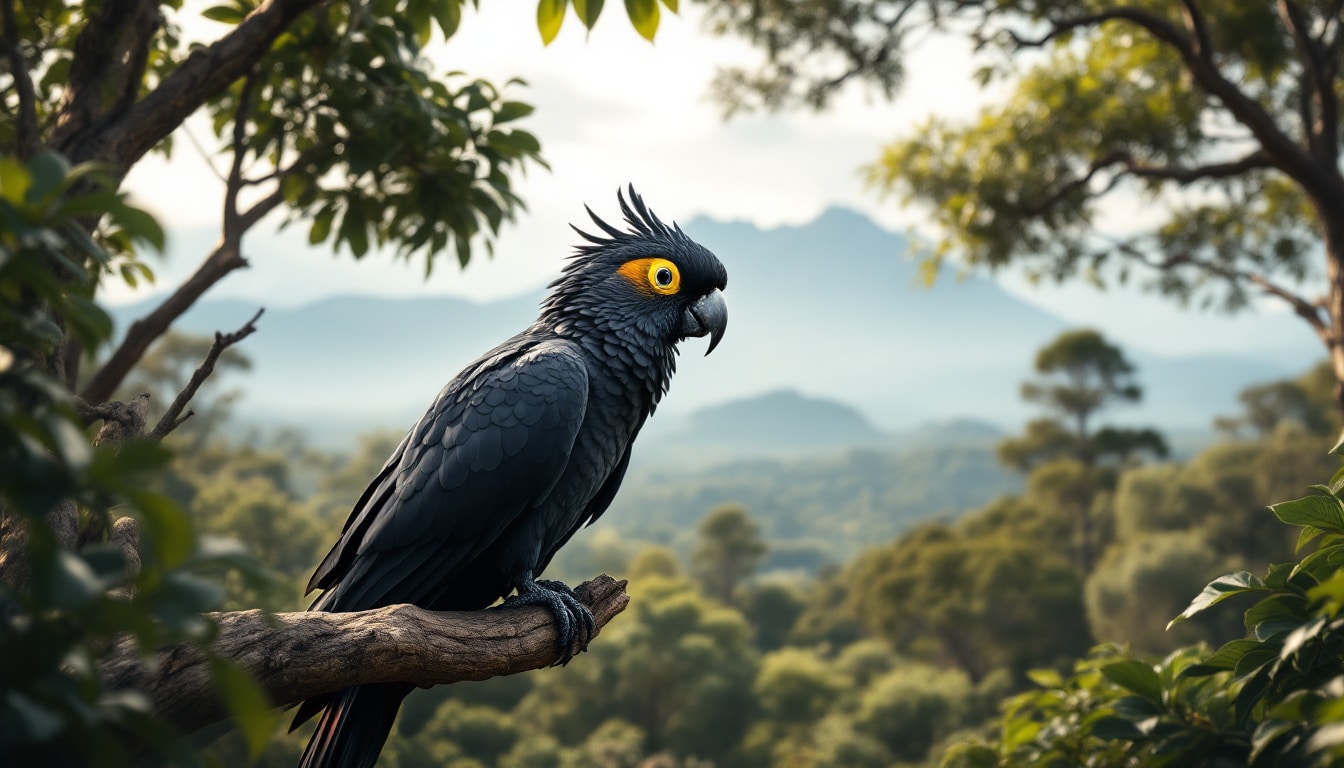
(576, 625)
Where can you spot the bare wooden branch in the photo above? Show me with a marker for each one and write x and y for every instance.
(221, 261)
(27, 139)
(295, 656)
(123, 421)
(170, 419)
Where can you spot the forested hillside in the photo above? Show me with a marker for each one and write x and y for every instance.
(771, 623)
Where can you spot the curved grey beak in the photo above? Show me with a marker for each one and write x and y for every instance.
(706, 317)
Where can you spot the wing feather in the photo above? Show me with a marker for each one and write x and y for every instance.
(491, 448)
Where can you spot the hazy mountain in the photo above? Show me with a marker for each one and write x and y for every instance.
(830, 310)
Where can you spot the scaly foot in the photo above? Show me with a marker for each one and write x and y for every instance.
(576, 625)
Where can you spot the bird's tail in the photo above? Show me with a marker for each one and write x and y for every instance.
(354, 727)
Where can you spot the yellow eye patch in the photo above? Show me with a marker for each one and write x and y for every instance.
(652, 275)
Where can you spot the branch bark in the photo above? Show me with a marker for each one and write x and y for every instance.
(170, 419)
(295, 656)
(27, 139)
(205, 73)
(144, 331)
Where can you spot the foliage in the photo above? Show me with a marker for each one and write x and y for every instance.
(1273, 697)
(970, 601)
(729, 549)
(74, 605)
(1223, 116)
(1081, 374)
(815, 511)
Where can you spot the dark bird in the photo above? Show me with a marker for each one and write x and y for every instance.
(525, 446)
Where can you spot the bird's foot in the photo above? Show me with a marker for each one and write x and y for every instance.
(576, 625)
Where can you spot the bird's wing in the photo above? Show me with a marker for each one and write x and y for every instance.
(494, 444)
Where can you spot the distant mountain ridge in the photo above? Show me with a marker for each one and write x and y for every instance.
(829, 310)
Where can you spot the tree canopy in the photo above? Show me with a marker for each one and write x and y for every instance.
(1220, 117)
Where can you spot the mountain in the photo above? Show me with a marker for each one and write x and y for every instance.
(777, 423)
(832, 309)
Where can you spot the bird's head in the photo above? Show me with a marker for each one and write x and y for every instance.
(651, 279)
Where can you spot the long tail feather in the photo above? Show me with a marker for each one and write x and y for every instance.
(352, 731)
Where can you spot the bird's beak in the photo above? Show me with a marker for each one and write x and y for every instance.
(706, 317)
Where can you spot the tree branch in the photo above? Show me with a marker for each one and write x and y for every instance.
(170, 421)
(1181, 174)
(296, 656)
(205, 73)
(27, 139)
(1307, 310)
(110, 56)
(1287, 155)
(221, 261)
(234, 183)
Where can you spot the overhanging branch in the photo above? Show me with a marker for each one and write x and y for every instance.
(205, 73)
(1129, 166)
(173, 418)
(1302, 307)
(1193, 48)
(295, 656)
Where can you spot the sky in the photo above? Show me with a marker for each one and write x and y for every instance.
(613, 109)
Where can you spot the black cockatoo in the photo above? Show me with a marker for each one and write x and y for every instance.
(522, 448)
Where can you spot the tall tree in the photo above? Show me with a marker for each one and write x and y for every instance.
(727, 552)
(1081, 374)
(1224, 113)
(325, 112)
(1071, 460)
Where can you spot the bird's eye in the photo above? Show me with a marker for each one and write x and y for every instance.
(663, 276)
(652, 275)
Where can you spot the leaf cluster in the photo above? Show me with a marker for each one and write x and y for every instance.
(70, 607)
(1273, 697)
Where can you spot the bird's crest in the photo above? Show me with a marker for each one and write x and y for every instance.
(642, 221)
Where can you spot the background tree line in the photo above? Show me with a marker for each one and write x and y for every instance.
(900, 655)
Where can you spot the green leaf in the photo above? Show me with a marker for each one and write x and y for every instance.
(1224, 659)
(588, 11)
(1308, 533)
(1137, 677)
(1219, 590)
(1113, 727)
(165, 527)
(448, 13)
(1324, 512)
(1266, 734)
(1338, 450)
(49, 170)
(140, 225)
(67, 581)
(1046, 678)
(246, 702)
(671, 5)
(224, 14)
(644, 16)
(550, 15)
(512, 110)
(321, 227)
(14, 180)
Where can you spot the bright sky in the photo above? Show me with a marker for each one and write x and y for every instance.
(613, 109)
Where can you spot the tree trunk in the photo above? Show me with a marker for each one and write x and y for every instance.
(1331, 215)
